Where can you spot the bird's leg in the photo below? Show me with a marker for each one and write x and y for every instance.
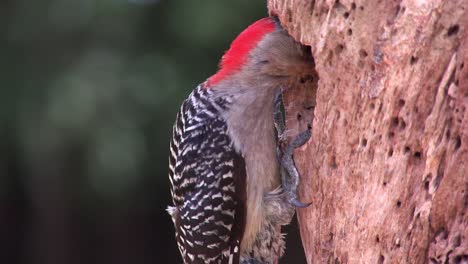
(285, 156)
(287, 162)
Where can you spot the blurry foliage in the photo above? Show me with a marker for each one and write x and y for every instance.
(89, 91)
(109, 75)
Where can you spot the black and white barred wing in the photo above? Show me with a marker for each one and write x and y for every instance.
(207, 184)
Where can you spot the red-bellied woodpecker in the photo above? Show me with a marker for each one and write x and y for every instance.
(229, 199)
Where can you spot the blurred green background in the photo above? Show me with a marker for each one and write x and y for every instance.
(89, 91)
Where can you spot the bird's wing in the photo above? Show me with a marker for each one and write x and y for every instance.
(208, 179)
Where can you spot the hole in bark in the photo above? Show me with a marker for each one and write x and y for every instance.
(447, 134)
(384, 184)
(453, 30)
(312, 7)
(417, 154)
(289, 14)
(362, 53)
(380, 107)
(350, 32)
(413, 60)
(398, 204)
(330, 57)
(390, 152)
(360, 64)
(401, 103)
(346, 15)
(395, 121)
(427, 181)
(442, 234)
(439, 175)
(381, 259)
(339, 48)
(457, 241)
(361, 8)
(377, 239)
(461, 65)
(460, 259)
(299, 117)
(364, 142)
(397, 10)
(391, 134)
(402, 124)
(407, 149)
(457, 142)
(397, 243)
(372, 106)
(353, 5)
(333, 163)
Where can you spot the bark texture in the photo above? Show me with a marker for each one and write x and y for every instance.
(387, 167)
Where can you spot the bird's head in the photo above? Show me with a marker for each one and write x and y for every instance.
(264, 52)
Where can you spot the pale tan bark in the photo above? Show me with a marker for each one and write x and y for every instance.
(387, 167)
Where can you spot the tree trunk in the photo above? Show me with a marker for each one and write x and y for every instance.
(387, 167)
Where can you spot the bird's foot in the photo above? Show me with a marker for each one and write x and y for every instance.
(287, 162)
(285, 154)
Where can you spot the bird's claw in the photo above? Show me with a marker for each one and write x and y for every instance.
(298, 203)
(285, 156)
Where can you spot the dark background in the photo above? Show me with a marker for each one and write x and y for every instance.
(88, 93)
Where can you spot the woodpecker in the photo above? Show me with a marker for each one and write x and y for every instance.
(229, 198)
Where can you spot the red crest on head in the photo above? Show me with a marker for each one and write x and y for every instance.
(237, 54)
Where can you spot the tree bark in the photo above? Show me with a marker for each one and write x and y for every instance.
(386, 169)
